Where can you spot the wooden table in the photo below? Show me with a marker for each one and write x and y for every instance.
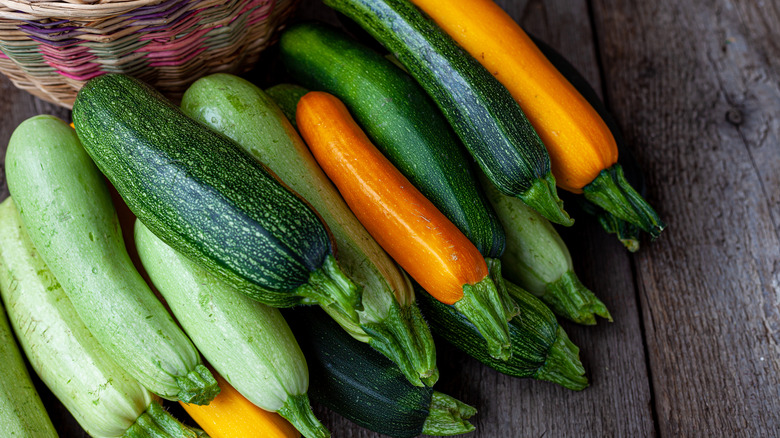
(693, 350)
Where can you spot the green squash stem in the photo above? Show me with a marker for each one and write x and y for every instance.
(613, 193)
(329, 286)
(198, 386)
(297, 410)
(156, 422)
(567, 296)
(563, 364)
(448, 416)
(543, 197)
(484, 307)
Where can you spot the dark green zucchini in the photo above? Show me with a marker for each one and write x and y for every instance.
(360, 384)
(627, 233)
(201, 194)
(540, 348)
(482, 112)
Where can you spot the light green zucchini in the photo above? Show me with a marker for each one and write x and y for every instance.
(104, 399)
(390, 320)
(66, 207)
(21, 411)
(246, 342)
(537, 259)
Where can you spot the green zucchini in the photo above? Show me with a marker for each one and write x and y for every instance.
(104, 399)
(537, 259)
(245, 341)
(21, 411)
(390, 320)
(627, 233)
(482, 112)
(67, 210)
(361, 385)
(206, 198)
(540, 347)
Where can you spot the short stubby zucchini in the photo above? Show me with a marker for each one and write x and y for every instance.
(207, 198)
(358, 383)
(66, 207)
(104, 399)
(481, 111)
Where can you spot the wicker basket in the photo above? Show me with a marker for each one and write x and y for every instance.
(50, 48)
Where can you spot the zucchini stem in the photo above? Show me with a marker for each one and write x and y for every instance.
(543, 197)
(627, 233)
(297, 410)
(487, 310)
(404, 337)
(198, 386)
(448, 416)
(569, 298)
(156, 422)
(563, 364)
(613, 193)
(329, 286)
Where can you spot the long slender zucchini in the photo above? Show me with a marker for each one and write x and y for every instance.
(482, 112)
(21, 411)
(245, 341)
(390, 320)
(209, 200)
(66, 207)
(540, 348)
(366, 388)
(105, 400)
(627, 233)
(537, 259)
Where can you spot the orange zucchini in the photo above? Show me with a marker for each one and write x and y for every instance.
(583, 152)
(230, 415)
(406, 224)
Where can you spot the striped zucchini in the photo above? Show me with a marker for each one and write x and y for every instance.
(245, 341)
(67, 210)
(482, 112)
(361, 385)
(540, 347)
(105, 400)
(21, 411)
(537, 259)
(390, 320)
(209, 200)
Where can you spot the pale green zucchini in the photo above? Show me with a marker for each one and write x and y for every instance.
(66, 207)
(390, 320)
(21, 411)
(246, 342)
(537, 259)
(105, 400)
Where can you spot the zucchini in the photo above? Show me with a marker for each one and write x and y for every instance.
(67, 210)
(390, 320)
(286, 97)
(401, 121)
(361, 385)
(245, 341)
(21, 411)
(482, 112)
(207, 199)
(537, 259)
(540, 347)
(104, 399)
(627, 233)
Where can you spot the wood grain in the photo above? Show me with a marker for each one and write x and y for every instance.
(695, 84)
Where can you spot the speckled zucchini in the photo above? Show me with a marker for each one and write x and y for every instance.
(207, 199)
(482, 112)
(104, 399)
(390, 320)
(66, 207)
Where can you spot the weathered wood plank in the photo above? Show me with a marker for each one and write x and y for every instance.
(696, 86)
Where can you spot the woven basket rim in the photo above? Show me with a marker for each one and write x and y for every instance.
(73, 9)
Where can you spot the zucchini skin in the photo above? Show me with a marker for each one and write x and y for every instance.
(400, 119)
(67, 210)
(21, 411)
(104, 399)
(199, 192)
(481, 111)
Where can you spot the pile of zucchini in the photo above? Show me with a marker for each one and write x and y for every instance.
(351, 195)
